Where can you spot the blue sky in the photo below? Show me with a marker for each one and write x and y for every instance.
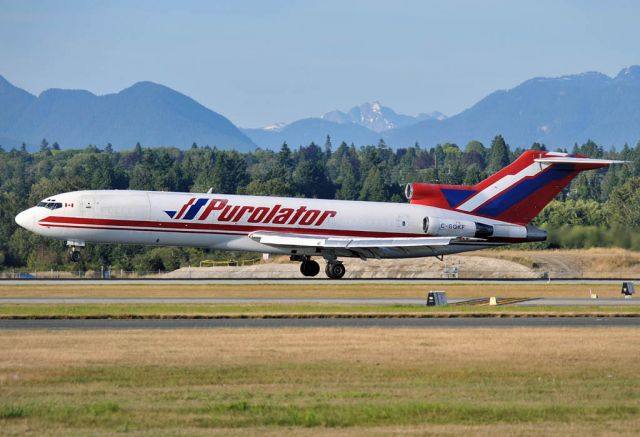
(258, 62)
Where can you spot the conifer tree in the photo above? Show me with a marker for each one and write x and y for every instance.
(373, 186)
(498, 155)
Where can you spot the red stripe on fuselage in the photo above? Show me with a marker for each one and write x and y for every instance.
(115, 228)
(156, 226)
(328, 233)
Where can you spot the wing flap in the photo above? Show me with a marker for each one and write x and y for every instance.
(297, 240)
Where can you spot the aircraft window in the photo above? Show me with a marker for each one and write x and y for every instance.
(50, 205)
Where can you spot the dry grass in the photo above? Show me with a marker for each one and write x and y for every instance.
(531, 349)
(126, 311)
(302, 289)
(592, 263)
(309, 381)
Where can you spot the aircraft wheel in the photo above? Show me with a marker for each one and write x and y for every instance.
(75, 256)
(309, 268)
(335, 270)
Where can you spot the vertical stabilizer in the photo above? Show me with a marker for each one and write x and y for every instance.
(515, 194)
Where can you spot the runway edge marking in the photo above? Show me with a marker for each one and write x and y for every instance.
(499, 301)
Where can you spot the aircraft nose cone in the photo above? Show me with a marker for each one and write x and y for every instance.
(25, 219)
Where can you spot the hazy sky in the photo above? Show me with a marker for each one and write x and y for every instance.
(258, 62)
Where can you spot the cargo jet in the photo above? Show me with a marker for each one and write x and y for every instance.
(438, 220)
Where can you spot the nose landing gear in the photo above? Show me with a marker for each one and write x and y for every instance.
(74, 251)
(74, 255)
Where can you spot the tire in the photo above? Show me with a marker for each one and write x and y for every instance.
(335, 270)
(75, 256)
(309, 268)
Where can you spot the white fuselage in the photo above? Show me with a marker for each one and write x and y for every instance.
(219, 221)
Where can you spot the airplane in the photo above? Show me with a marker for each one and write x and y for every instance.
(438, 220)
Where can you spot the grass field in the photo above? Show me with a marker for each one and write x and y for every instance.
(310, 381)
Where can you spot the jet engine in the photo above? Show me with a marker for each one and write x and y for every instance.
(439, 227)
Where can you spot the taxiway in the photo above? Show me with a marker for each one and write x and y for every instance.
(313, 300)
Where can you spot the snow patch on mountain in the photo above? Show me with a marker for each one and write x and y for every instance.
(378, 118)
(275, 127)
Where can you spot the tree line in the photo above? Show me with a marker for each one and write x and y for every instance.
(599, 208)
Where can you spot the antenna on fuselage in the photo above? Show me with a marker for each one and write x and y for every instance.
(210, 190)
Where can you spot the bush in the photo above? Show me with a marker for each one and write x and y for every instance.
(158, 258)
(584, 237)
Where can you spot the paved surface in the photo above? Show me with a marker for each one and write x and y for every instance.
(330, 301)
(462, 322)
(581, 302)
(298, 281)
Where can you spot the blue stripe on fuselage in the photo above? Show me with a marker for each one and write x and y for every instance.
(191, 213)
(522, 190)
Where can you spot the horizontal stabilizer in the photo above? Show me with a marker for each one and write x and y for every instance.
(576, 160)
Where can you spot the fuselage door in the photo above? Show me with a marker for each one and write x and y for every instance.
(402, 221)
(87, 205)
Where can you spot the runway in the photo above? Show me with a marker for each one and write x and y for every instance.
(314, 281)
(459, 322)
(311, 300)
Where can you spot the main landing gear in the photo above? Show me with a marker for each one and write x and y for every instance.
(335, 269)
(308, 267)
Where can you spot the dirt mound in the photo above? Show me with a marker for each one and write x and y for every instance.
(578, 263)
(590, 263)
(453, 266)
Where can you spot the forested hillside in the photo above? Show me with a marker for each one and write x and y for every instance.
(600, 208)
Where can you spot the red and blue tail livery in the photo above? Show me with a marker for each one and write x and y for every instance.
(515, 194)
(439, 219)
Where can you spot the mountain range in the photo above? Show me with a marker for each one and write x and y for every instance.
(146, 112)
(555, 111)
(378, 118)
(363, 124)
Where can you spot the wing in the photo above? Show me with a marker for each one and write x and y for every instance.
(363, 247)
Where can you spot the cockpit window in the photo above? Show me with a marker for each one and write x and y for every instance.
(50, 205)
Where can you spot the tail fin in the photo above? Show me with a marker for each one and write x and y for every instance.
(515, 194)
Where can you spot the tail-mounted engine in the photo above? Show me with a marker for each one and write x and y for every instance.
(457, 228)
(439, 227)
